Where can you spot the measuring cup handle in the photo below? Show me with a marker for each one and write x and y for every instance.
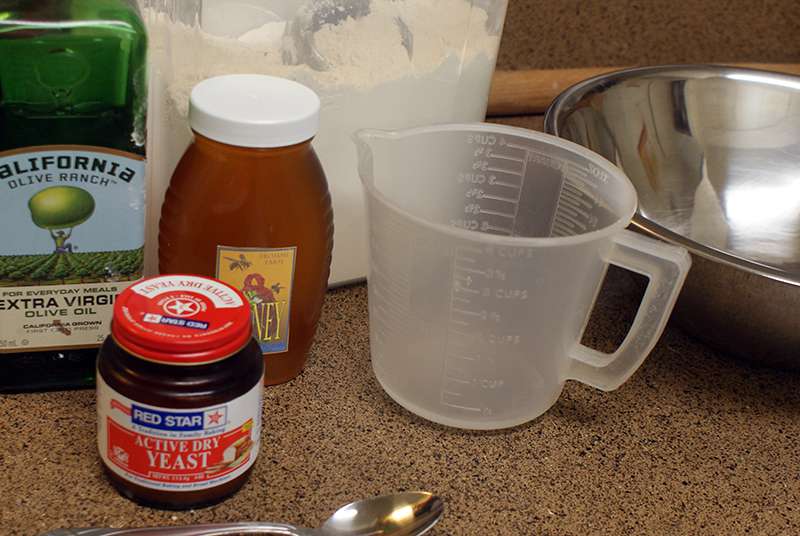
(666, 266)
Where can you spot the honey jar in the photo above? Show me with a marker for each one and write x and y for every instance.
(249, 205)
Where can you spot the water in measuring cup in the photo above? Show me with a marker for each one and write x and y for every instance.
(451, 318)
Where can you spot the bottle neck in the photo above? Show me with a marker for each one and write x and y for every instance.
(207, 145)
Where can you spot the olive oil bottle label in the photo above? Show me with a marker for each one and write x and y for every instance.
(265, 277)
(72, 224)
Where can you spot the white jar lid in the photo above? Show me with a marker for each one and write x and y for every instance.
(252, 110)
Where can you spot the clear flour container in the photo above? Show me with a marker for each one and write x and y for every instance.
(387, 64)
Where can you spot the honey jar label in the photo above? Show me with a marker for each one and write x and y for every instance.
(265, 277)
(178, 449)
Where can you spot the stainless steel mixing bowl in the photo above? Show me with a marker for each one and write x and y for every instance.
(714, 153)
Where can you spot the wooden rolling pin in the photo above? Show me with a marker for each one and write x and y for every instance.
(528, 92)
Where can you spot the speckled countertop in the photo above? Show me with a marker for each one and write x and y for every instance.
(693, 444)
(550, 34)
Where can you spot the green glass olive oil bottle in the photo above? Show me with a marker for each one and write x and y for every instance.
(72, 182)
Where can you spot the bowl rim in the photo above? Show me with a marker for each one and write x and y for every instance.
(564, 101)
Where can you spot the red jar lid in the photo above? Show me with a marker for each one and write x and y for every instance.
(181, 320)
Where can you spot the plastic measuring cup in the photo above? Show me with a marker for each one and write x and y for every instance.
(488, 246)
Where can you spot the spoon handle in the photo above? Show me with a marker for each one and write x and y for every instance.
(223, 529)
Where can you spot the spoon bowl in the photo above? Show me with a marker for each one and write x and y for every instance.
(400, 514)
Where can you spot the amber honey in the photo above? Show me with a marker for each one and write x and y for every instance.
(260, 219)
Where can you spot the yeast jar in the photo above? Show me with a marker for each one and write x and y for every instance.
(249, 204)
(179, 390)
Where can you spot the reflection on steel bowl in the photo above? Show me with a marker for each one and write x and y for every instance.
(714, 154)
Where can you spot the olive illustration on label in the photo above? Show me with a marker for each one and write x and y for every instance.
(59, 209)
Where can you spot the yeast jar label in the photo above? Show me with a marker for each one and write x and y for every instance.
(178, 449)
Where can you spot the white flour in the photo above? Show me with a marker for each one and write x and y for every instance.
(373, 82)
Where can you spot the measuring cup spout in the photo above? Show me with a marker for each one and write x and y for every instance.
(367, 142)
(368, 135)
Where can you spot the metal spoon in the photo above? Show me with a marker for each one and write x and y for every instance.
(401, 514)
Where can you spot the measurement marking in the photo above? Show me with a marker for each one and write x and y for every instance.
(573, 188)
(456, 366)
(389, 299)
(388, 333)
(519, 193)
(463, 312)
(570, 169)
(507, 185)
(576, 192)
(549, 157)
(461, 333)
(467, 289)
(580, 199)
(499, 198)
(515, 146)
(452, 374)
(573, 221)
(506, 157)
(396, 313)
(457, 380)
(393, 325)
(576, 211)
(497, 213)
(570, 214)
(465, 358)
(562, 229)
(503, 230)
(466, 408)
(503, 170)
(577, 197)
(467, 343)
(400, 279)
(472, 271)
(387, 329)
(392, 309)
(396, 290)
(556, 215)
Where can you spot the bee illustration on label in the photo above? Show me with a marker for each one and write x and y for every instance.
(238, 264)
